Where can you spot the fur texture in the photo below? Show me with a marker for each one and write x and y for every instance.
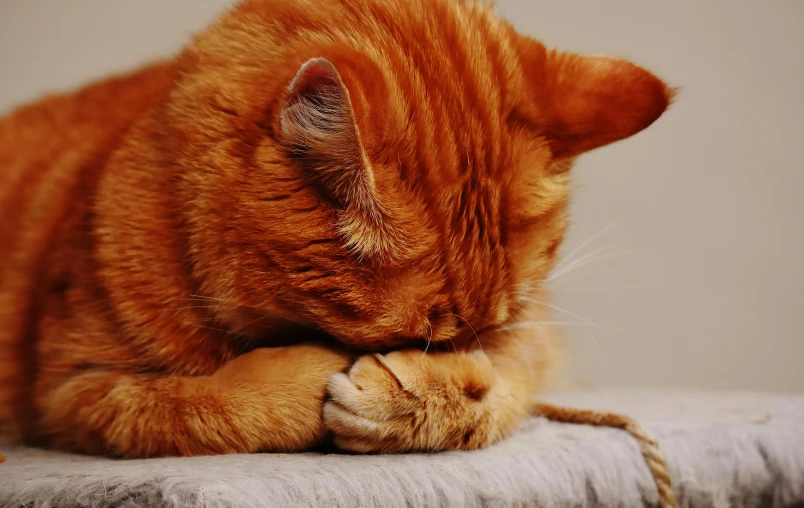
(335, 177)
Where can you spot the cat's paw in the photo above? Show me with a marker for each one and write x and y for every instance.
(409, 401)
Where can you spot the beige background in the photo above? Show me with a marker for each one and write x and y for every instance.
(704, 285)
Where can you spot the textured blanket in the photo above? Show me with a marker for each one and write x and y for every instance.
(722, 450)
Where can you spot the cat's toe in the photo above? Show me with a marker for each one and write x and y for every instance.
(372, 389)
(357, 433)
(344, 423)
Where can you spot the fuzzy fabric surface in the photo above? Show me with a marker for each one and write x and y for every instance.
(722, 450)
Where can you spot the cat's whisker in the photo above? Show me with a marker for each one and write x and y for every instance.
(584, 288)
(193, 307)
(470, 327)
(523, 288)
(565, 311)
(243, 328)
(430, 338)
(227, 332)
(571, 266)
(585, 243)
(526, 324)
(598, 257)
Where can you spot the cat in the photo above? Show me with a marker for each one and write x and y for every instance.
(323, 219)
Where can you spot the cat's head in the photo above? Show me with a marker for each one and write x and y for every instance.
(386, 170)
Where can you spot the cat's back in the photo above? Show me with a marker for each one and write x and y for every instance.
(50, 151)
(44, 146)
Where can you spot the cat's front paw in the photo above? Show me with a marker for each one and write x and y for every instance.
(409, 401)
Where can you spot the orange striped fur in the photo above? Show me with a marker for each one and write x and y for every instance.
(354, 181)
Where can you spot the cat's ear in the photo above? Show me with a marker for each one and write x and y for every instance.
(592, 101)
(318, 127)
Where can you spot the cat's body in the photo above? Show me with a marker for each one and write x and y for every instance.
(337, 177)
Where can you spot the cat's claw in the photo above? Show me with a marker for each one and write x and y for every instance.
(408, 401)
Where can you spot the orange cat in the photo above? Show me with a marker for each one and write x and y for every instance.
(336, 177)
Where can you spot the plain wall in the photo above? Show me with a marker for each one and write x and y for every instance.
(702, 285)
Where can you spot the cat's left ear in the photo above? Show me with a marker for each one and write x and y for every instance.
(592, 101)
(318, 125)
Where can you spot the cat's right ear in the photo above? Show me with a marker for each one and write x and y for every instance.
(318, 127)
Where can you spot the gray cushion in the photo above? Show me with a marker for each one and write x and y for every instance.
(722, 450)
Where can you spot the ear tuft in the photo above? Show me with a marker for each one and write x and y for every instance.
(317, 108)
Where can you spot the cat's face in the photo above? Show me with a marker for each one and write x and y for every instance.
(391, 173)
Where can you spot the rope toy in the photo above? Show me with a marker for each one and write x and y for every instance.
(647, 443)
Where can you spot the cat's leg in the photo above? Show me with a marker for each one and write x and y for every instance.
(411, 401)
(265, 400)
